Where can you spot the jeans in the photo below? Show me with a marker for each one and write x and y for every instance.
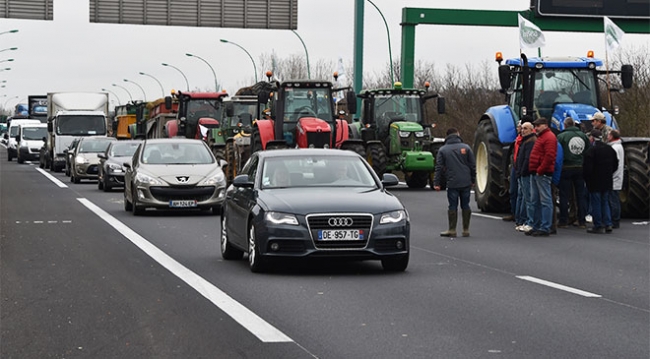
(572, 179)
(520, 212)
(615, 206)
(525, 184)
(454, 194)
(513, 192)
(600, 212)
(542, 202)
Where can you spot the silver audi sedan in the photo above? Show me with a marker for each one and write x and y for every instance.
(173, 173)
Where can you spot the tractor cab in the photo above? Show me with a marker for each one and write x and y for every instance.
(198, 112)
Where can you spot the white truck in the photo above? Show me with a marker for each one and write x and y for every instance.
(70, 115)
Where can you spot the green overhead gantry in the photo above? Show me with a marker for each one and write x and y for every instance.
(412, 17)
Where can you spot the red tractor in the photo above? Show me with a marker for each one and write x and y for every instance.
(303, 116)
(198, 112)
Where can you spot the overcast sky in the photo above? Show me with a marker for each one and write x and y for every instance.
(71, 54)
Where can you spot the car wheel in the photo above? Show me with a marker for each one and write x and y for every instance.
(255, 259)
(228, 252)
(106, 184)
(100, 183)
(67, 170)
(19, 159)
(137, 211)
(8, 156)
(396, 263)
(127, 203)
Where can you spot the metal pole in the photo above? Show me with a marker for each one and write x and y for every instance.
(358, 48)
(306, 53)
(247, 53)
(390, 52)
(127, 91)
(143, 93)
(216, 85)
(112, 93)
(179, 70)
(162, 89)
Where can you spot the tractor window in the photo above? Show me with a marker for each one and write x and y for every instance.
(516, 98)
(553, 86)
(197, 109)
(396, 107)
(312, 102)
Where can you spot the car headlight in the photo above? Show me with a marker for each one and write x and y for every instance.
(419, 134)
(146, 179)
(281, 218)
(404, 134)
(114, 167)
(215, 179)
(80, 160)
(393, 217)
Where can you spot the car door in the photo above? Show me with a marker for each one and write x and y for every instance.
(239, 205)
(129, 172)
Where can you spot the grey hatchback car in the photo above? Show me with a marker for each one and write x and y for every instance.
(173, 173)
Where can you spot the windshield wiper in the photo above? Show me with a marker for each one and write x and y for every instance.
(579, 79)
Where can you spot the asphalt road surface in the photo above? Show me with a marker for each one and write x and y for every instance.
(82, 278)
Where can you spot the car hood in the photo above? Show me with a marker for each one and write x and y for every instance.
(312, 200)
(181, 174)
(90, 156)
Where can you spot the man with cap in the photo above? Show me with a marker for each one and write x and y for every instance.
(599, 122)
(574, 145)
(541, 166)
(599, 165)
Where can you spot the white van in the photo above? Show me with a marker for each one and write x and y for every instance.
(29, 140)
(10, 136)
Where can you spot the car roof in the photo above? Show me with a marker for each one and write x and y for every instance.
(29, 124)
(97, 138)
(302, 152)
(171, 140)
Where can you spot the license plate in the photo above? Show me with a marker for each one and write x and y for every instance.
(182, 203)
(340, 235)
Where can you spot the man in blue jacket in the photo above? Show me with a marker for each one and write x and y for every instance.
(456, 166)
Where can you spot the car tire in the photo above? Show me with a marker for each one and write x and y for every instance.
(127, 203)
(67, 170)
(137, 210)
(8, 156)
(396, 263)
(100, 183)
(256, 261)
(105, 184)
(19, 159)
(228, 252)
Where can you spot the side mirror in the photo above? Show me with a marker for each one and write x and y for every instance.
(126, 165)
(223, 164)
(441, 105)
(65, 152)
(627, 74)
(102, 156)
(17, 138)
(168, 102)
(351, 99)
(242, 181)
(44, 139)
(6, 136)
(504, 76)
(389, 179)
(50, 126)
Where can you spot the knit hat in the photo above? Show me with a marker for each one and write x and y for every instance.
(596, 134)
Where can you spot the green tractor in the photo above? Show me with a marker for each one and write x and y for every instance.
(394, 133)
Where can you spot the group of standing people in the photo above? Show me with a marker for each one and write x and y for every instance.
(586, 170)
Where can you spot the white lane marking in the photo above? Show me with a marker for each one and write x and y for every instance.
(242, 315)
(559, 286)
(485, 215)
(51, 178)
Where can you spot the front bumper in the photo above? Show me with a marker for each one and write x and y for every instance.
(27, 153)
(86, 170)
(162, 196)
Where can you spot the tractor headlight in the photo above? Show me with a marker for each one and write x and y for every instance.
(403, 134)
(420, 134)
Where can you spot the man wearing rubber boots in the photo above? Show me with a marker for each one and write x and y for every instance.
(456, 166)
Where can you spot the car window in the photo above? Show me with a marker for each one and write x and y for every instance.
(320, 171)
(94, 146)
(177, 153)
(123, 149)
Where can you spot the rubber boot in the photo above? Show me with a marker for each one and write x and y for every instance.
(467, 215)
(453, 219)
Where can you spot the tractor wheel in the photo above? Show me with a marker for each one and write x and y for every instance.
(231, 171)
(256, 141)
(417, 179)
(635, 195)
(356, 148)
(376, 157)
(220, 153)
(491, 193)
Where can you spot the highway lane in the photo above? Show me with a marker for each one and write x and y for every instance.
(459, 298)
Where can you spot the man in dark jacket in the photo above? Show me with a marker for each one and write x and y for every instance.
(542, 165)
(456, 166)
(598, 169)
(574, 145)
(524, 175)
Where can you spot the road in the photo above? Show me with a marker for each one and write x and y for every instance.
(80, 277)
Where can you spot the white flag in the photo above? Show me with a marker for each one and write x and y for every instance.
(613, 34)
(529, 34)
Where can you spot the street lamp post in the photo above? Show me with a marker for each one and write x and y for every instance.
(9, 99)
(9, 49)
(179, 70)
(5, 69)
(247, 53)
(390, 52)
(7, 60)
(127, 91)
(162, 89)
(216, 85)
(9, 32)
(306, 53)
(112, 93)
(143, 93)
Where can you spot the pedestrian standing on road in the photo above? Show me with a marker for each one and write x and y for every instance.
(456, 166)
(514, 188)
(599, 122)
(524, 174)
(555, 185)
(574, 145)
(599, 167)
(617, 181)
(542, 164)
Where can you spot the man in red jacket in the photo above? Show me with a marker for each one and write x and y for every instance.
(541, 166)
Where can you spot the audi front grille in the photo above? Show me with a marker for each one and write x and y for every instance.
(336, 221)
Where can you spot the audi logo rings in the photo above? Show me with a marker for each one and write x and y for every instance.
(340, 222)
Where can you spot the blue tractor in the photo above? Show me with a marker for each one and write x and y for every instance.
(553, 88)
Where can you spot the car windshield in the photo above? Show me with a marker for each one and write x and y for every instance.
(177, 153)
(94, 146)
(123, 149)
(34, 133)
(316, 171)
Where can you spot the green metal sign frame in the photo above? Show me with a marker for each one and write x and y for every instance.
(411, 17)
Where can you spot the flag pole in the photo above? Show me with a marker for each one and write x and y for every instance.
(609, 93)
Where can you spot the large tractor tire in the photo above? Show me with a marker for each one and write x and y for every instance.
(635, 195)
(356, 148)
(376, 157)
(220, 153)
(231, 171)
(256, 141)
(491, 192)
(417, 179)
